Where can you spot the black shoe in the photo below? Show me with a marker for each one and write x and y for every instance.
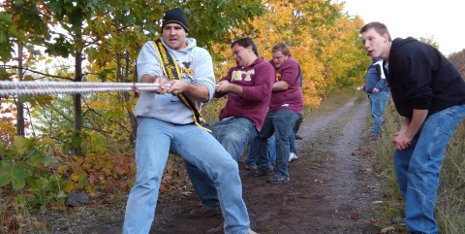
(203, 211)
(276, 179)
(260, 172)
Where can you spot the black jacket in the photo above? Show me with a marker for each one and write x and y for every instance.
(420, 77)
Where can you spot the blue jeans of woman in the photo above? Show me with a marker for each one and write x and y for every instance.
(234, 134)
(281, 124)
(418, 168)
(252, 156)
(378, 102)
(155, 139)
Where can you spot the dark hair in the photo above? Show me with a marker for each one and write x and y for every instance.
(378, 26)
(284, 48)
(245, 42)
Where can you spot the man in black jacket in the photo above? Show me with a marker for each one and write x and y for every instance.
(429, 93)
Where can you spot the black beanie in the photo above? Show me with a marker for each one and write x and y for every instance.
(175, 15)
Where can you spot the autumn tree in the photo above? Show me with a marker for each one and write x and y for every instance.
(25, 29)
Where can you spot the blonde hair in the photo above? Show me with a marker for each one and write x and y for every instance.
(284, 48)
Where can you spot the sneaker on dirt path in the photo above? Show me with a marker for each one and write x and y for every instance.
(203, 211)
(251, 167)
(276, 179)
(219, 230)
(260, 172)
(292, 156)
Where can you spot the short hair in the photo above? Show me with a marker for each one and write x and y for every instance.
(378, 27)
(246, 42)
(283, 47)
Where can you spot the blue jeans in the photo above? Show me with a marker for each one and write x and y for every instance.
(155, 139)
(280, 123)
(234, 135)
(292, 148)
(378, 102)
(252, 157)
(418, 168)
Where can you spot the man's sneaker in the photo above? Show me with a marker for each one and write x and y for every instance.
(292, 156)
(251, 167)
(261, 172)
(218, 229)
(250, 231)
(203, 211)
(276, 179)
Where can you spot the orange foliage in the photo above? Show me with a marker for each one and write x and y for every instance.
(323, 40)
(7, 122)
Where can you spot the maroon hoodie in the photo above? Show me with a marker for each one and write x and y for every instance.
(256, 81)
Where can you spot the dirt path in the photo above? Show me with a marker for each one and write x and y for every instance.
(331, 188)
(328, 192)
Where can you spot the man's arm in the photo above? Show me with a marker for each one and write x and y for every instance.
(280, 86)
(289, 72)
(381, 83)
(197, 92)
(156, 80)
(409, 128)
(225, 87)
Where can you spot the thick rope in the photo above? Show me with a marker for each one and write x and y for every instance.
(21, 88)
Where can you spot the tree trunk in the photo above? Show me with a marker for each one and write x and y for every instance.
(77, 100)
(19, 103)
(131, 116)
(124, 77)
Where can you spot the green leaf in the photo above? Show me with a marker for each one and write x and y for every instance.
(5, 175)
(99, 144)
(47, 141)
(2, 151)
(19, 173)
(36, 157)
(21, 144)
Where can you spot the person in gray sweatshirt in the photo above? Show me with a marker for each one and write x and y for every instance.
(166, 124)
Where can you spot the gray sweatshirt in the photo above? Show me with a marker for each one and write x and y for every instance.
(196, 67)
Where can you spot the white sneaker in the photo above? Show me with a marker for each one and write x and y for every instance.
(292, 156)
(250, 231)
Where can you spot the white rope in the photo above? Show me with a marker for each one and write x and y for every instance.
(20, 88)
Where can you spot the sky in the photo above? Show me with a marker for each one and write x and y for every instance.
(442, 20)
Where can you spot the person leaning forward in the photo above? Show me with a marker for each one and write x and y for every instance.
(286, 107)
(166, 124)
(429, 93)
(248, 86)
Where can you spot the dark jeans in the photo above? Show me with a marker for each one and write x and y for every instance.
(280, 123)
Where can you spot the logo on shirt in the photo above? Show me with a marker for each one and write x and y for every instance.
(278, 77)
(242, 75)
